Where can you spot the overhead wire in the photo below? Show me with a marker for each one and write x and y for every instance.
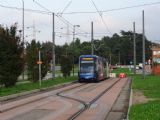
(83, 12)
(48, 12)
(28, 10)
(58, 16)
(100, 14)
(65, 7)
(115, 9)
(42, 6)
(106, 26)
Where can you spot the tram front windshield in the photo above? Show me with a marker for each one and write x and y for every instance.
(87, 67)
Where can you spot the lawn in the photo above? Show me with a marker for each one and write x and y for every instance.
(150, 87)
(31, 86)
(146, 111)
(122, 70)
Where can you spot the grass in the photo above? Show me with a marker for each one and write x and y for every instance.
(122, 70)
(150, 87)
(32, 86)
(147, 111)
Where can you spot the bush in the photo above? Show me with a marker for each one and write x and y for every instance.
(66, 65)
(11, 51)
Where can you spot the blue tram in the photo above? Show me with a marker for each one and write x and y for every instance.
(92, 68)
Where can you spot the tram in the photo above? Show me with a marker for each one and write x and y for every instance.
(92, 68)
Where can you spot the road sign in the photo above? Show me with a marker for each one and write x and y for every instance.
(39, 62)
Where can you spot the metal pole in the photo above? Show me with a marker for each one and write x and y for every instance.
(39, 54)
(110, 58)
(119, 58)
(53, 49)
(92, 52)
(23, 32)
(134, 47)
(143, 45)
(73, 45)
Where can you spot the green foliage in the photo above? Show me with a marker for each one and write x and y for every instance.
(147, 111)
(18, 88)
(149, 85)
(32, 58)
(46, 57)
(108, 46)
(122, 70)
(66, 65)
(11, 51)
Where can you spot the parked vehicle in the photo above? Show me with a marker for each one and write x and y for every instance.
(140, 65)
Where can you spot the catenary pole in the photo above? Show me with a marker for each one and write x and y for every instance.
(74, 28)
(143, 44)
(40, 81)
(134, 45)
(92, 51)
(73, 45)
(23, 33)
(53, 46)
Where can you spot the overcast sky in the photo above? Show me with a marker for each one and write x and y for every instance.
(113, 21)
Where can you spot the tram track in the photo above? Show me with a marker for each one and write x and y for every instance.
(70, 93)
(86, 105)
(34, 100)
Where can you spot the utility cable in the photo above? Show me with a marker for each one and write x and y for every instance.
(65, 7)
(115, 9)
(85, 12)
(100, 14)
(42, 6)
(60, 17)
(28, 10)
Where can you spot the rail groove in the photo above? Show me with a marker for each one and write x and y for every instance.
(85, 105)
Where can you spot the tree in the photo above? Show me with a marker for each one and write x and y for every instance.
(11, 52)
(46, 57)
(66, 65)
(32, 58)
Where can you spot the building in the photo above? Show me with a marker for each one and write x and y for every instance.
(156, 60)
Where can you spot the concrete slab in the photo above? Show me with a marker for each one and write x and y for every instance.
(120, 108)
(115, 116)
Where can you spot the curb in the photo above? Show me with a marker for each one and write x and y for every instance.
(13, 96)
(130, 100)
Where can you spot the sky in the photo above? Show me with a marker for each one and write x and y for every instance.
(39, 26)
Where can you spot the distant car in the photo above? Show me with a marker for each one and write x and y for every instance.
(140, 65)
(137, 67)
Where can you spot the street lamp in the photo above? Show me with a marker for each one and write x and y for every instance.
(74, 26)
